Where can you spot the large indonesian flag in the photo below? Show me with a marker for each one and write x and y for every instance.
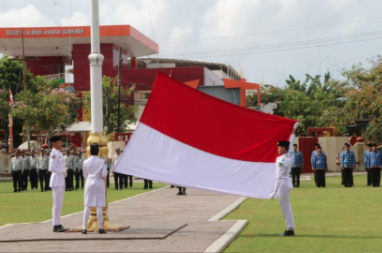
(188, 138)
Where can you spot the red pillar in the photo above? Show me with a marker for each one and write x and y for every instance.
(133, 62)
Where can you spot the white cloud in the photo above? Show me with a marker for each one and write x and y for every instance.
(78, 19)
(28, 16)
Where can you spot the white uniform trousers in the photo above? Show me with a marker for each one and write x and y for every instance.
(58, 202)
(283, 193)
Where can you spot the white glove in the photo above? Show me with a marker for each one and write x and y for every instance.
(273, 195)
(65, 174)
(296, 125)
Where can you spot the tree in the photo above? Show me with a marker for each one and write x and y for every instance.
(364, 98)
(49, 109)
(110, 105)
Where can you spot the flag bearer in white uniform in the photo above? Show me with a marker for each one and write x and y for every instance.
(95, 171)
(57, 182)
(283, 184)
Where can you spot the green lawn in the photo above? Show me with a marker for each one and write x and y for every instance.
(331, 219)
(36, 206)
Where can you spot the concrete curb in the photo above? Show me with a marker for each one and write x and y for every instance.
(228, 209)
(222, 243)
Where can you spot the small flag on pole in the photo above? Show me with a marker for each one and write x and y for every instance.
(10, 98)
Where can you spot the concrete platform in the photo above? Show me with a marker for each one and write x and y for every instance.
(160, 221)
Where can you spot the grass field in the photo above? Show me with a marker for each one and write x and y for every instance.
(36, 206)
(331, 219)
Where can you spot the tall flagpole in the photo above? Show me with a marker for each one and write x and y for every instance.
(96, 134)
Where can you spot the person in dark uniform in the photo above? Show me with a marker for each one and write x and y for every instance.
(16, 170)
(43, 166)
(118, 177)
(148, 184)
(366, 163)
(375, 166)
(319, 165)
(69, 165)
(80, 165)
(33, 172)
(347, 160)
(182, 190)
(26, 168)
(298, 162)
(313, 154)
(108, 163)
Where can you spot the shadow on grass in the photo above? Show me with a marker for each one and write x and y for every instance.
(314, 236)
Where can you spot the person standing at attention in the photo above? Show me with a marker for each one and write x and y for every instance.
(95, 171)
(283, 184)
(57, 182)
(298, 163)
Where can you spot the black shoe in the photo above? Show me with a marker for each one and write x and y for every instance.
(101, 231)
(179, 193)
(14, 190)
(288, 233)
(184, 193)
(150, 187)
(144, 188)
(84, 231)
(172, 186)
(61, 228)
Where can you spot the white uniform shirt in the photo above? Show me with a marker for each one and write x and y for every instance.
(80, 163)
(57, 167)
(94, 170)
(283, 166)
(43, 162)
(16, 164)
(115, 161)
(69, 162)
(33, 162)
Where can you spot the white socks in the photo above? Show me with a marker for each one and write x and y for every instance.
(99, 217)
(86, 217)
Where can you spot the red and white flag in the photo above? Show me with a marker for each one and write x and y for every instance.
(191, 139)
(10, 98)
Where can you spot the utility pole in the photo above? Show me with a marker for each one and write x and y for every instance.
(119, 88)
(24, 61)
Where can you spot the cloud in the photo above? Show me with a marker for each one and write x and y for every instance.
(78, 19)
(28, 16)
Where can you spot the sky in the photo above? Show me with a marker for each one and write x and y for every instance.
(264, 40)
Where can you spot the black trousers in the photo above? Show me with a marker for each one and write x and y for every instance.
(368, 176)
(33, 178)
(48, 175)
(81, 175)
(129, 181)
(296, 171)
(69, 180)
(348, 177)
(342, 177)
(16, 176)
(24, 178)
(376, 177)
(44, 178)
(77, 178)
(148, 184)
(320, 178)
(108, 178)
(182, 190)
(118, 180)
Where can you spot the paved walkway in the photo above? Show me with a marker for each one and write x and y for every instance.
(160, 222)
